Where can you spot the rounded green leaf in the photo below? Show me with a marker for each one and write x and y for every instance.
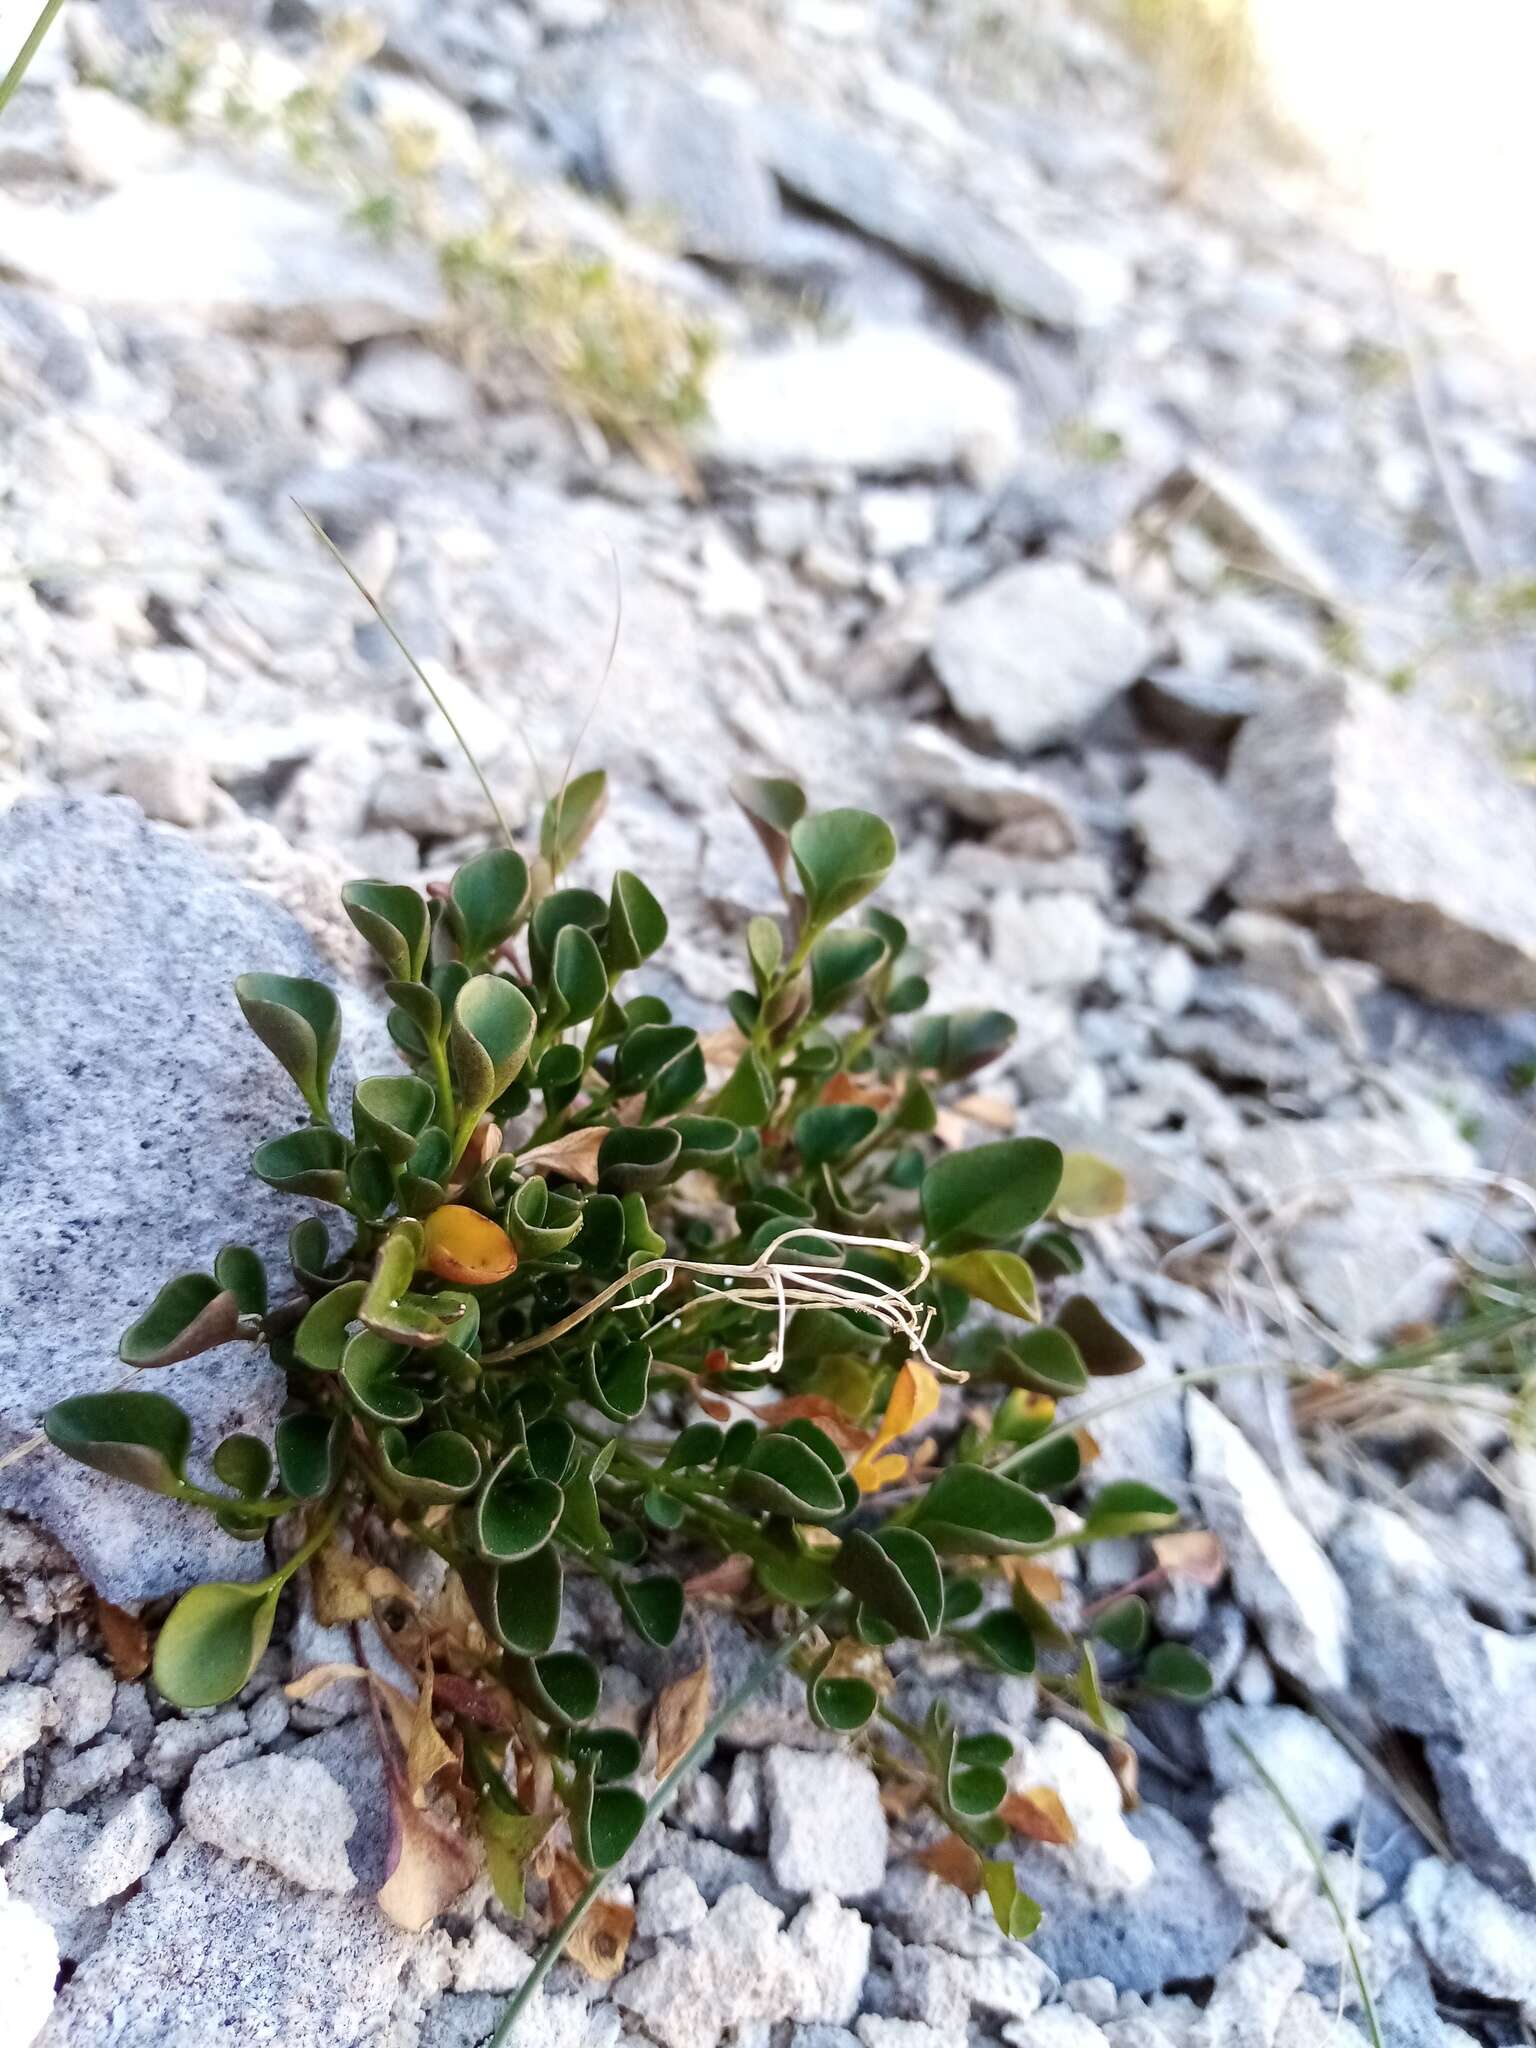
(212, 1641)
(605, 1820)
(1125, 1625)
(309, 1162)
(393, 919)
(1105, 1350)
(140, 1437)
(563, 1687)
(443, 1466)
(373, 1369)
(1127, 1508)
(309, 1450)
(1178, 1672)
(241, 1273)
(773, 806)
(749, 1095)
(299, 1022)
(706, 1141)
(953, 1047)
(646, 1050)
(988, 1748)
(309, 1255)
(392, 1113)
(839, 962)
(653, 1607)
(245, 1463)
(783, 1476)
(1014, 1911)
(192, 1313)
(1047, 1360)
(798, 1579)
(699, 1443)
(321, 1340)
(896, 1573)
(974, 1512)
(765, 950)
(634, 1159)
(489, 1037)
(613, 1753)
(841, 1705)
(840, 856)
(570, 815)
(520, 1602)
(517, 1512)
(619, 1382)
(1001, 1279)
(962, 1597)
(830, 1131)
(637, 924)
(486, 899)
(980, 1197)
(1006, 1641)
(577, 975)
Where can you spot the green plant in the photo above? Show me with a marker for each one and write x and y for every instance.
(616, 1300)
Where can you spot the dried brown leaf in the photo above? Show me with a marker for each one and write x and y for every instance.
(1193, 1554)
(126, 1638)
(346, 1586)
(574, 1155)
(816, 1408)
(426, 1753)
(994, 1111)
(1038, 1814)
(430, 1863)
(956, 1862)
(681, 1712)
(1123, 1762)
(1036, 1579)
(601, 1940)
(726, 1580)
(855, 1089)
(488, 1706)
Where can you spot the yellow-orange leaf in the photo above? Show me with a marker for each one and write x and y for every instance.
(466, 1248)
(681, 1713)
(1090, 1189)
(914, 1397)
(954, 1861)
(1037, 1579)
(574, 1155)
(1038, 1814)
(601, 1940)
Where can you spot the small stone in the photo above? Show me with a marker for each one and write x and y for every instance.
(285, 1811)
(29, 1964)
(406, 382)
(826, 1828)
(1057, 2027)
(1312, 1767)
(25, 1712)
(688, 159)
(744, 1818)
(1032, 655)
(1094, 1997)
(126, 1846)
(1474, 1939)
(875, 400)
(175, 787)
(87, 1772)
(834, 1943)
(1049, 941)
(1191, 832)
(985, 790)
(1262, 1861)
(1251, 1996)
(876, 2031)
(897, 522)
(489, 1961)
(1280, 1574)
(734, 1968)
(178, 1744)
(668, 1903)
(83, 1693)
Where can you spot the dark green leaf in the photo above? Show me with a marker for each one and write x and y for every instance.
(309, 1449)
(896, 1573)
(492, 1029)
(612, 1752)
(245, 1463)
(308, 1162)
(971, 1511)
(1105, 1350)
(958, 1045)
(990, 1193)
(706, 1141)
(798, 1578)
(517, 1512)
(1049, 1360)
(391, 1113)
(1125, 1625)
(1178, 1672)
(840, 1705)
(605, 1820)
(564, 1687)
(749, 1095)
(373, 1368)
(783, 1476)
(393, 919)
(831, 1130)
(309, 1254)
(840, 856)
(140, 1437)
(637, 924)
(1006, 1641)
(486, 899)
(190, 1314)
(577, 975)
(619, 1382)
(443, 1466)
(520, 1602)
(638, 1157)
(299, 1022)
(653, 1607)
(322, 1336)
(839, 962)
(1127, 1508)
(774, 806)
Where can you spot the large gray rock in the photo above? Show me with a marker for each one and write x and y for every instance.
(1280, 1573)
(1033, 654)
(688, 159)
(204, 241)
(877, 400)
(1475, 1940)
(1396, 836)
(211, 1950)
(131, 1094)
(893, 201)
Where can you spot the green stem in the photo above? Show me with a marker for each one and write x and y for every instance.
(1315, 1856)
(27, 52)
(759, 1675)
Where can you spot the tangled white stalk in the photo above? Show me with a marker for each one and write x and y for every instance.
(783, 1288)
